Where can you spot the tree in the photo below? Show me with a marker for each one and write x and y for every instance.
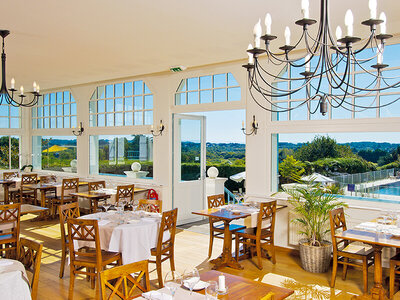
(290, 170)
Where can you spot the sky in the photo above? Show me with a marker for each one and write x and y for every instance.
(379, 137)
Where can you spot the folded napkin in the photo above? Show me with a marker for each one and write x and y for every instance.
(103, 222)
(155, 295)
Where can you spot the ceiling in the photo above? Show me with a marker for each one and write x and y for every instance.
(62, 43)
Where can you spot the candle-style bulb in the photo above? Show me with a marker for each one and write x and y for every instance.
(37, 88)
(338, 34)
(305, 8)
(257, 31)
(242, 124)
(382, 17)
(379, 52)
(12, 83)
(287, 36)
(307, 60)
(21, 90)
(34, 86)
(372, 9)
(250, 55)
(348, 21)
(268, 22)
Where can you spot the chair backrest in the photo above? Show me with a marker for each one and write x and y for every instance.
(86, 231)
(10, 215)
(28, 179)
(10, 175)
(168, 224)
(30, 255)
(337, 222)
(125, 192)
(69, 185)
(150, 205)
(67, 211)
(47, 178)
(122, 284)
(152, 194)
(96, 185)
(266, 215)
(216, 200)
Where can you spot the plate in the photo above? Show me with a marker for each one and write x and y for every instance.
(395, 232)
(199, 286)
(236, 211)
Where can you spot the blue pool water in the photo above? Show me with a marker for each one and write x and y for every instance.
(389, 189)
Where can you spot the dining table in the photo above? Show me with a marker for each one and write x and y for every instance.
(132, 233)
(112, 193)
(7, 183)
(226, 216)
(14, 282)
(93, 196)
(378, 238)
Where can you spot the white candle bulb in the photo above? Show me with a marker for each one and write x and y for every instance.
(382, 17)
(268, 22)
(21, 90)
(37, 88)
(307, 60)
(305, 8)
(338, 35)
(12, 83)
(152, 127)
(34, 86)
(251, 57)
(287, 36)
(348, 21)
(379, 52)
(242, 124)
(372, 9)
(257, 31)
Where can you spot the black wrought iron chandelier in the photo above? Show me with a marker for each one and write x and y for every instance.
(5, 93)
(329, 80)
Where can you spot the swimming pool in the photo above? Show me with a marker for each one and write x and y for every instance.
(388, 189)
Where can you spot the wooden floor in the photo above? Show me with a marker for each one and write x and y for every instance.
(190, 251)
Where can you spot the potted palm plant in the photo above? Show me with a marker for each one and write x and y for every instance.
(312, 203)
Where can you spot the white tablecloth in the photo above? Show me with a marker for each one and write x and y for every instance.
(14, 282)
(134, 238)
(165, 294)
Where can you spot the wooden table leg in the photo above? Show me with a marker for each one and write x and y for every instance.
(226, 259)
(42, 216)
(6, 191)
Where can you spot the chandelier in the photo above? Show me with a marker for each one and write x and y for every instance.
(5, 93)
(325, 72)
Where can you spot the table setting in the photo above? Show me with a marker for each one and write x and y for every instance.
(386, 223)
(14, 282)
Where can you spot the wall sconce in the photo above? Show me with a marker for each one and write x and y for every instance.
(159, 130)
(254, 127)
(79, 131)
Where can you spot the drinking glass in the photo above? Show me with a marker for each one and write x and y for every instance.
(106, 205)
(191, 278)
(173, 280)
(212, 290)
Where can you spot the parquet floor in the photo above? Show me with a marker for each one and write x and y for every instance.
(191, 251)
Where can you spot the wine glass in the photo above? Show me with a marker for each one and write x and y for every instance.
(212, 290)
(173, 280)
(106, 205)
(191, 278)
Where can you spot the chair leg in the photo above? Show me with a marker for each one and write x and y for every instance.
(334, 270)
(365, 275)
(71, 283)
(272, 253)
(172, 260)
(391, 280)
(258, 249)
(93, 278)
(344, 274)
(210, 246)
(159, 272)
(237, 247)
(63, 258)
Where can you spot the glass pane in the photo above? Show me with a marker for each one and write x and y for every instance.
(314, 106)
(138, 103)
(128, 118)
(182, 86)
(282, 115)
(4, 122)
(4, 154)
(4, 110)
(66, 109)
(231, 80)
(362, 112)
(138, 87)
(101, 120)
(128, 89)
(52, 110)
(109, 119)
(180, 99)
(206, 96)
(40, 111)
(219, 80)
(66, 122)
(100, 106)
(100, 92)
(205, 82)
(46, 123)
(190, 149)
(66, 97)
(52, 98)
(59, 110)
(148, 102)
(63, 159)
(59, 97)
(119, 105)
(40, 100)
(92, 120)
(14, 111)
(109, 91)
(148, 117)
(193, 83)
(234, 94)
(119, 119)
(138, 118)
(14, 152)
(128, 104)
(118, 90)
(299, 113)
(73, 121)
(52, 122)
(59, 122)
(341, 112)
(92, 107)
(110, 105)
(46, 99)
(220, 95)
(46, 111)
(193, 97)
(391, 110)
(146, 89)
(40, 123)
(73, 108)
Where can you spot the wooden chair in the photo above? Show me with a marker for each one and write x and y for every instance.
(125, 192)
(394, 270)
(13, 191)
(94, 186)
(93, 259)
(66, 211)
(152, 194)
(69, 185)
(10, 215)
(30, 255)
(260, 237)
(150, 205)
(165, 248)
(121, 282)
(217, 227)
(343, 255)
(26, 194)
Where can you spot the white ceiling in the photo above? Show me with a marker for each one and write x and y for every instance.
(61, 43)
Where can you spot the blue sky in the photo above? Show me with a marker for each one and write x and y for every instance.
(379, 137)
